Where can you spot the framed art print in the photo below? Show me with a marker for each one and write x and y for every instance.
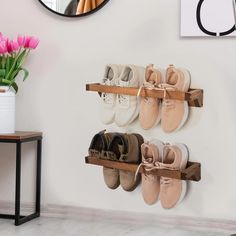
(208, 18)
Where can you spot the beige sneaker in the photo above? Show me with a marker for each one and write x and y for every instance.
(151, 153)
(108, 100)
(127, 107)
(174, 113)
(150, 108)
(172, 191)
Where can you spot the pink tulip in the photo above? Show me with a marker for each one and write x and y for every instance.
(12, 46)
(27, 41)
(15, 45)
(33, 43)
(9, 47)
(3, 47)
(21, 40)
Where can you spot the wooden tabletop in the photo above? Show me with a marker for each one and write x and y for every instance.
(20, 135)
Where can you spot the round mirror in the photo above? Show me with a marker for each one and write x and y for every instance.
(73, 8)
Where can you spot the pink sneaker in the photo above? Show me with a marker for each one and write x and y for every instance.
(151, 153)
(172, 191)
(174, 113)
(150, 108)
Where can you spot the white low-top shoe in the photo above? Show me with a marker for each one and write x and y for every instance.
(127, 107)
(108, 100)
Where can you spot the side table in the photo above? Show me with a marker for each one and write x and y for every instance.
(18, 138)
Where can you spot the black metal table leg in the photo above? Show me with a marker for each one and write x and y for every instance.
(38, 176)
(18, 183)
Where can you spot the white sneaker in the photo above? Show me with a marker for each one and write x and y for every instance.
(108, 100)
(127, 107)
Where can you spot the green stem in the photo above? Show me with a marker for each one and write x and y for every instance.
(13, 66)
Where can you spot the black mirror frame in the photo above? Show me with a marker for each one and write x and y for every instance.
(73, 16)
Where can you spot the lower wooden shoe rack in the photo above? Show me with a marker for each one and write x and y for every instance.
(194, 97)
(192, 172)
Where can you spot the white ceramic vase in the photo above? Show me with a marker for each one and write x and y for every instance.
(7, 111)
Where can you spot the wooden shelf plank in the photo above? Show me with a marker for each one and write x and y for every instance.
(194, 96)
(192, 172)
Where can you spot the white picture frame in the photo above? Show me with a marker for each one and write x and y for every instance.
(208, 18)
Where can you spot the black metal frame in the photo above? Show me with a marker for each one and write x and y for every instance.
(76, 16)
(19, 219)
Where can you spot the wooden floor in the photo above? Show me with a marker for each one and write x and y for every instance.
(68, 227)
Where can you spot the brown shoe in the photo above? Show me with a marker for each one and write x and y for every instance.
(98, 145)
(126, 148)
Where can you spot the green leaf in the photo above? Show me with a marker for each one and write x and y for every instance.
(2, 72)
(26, 73)
(6, 81)
(20, 58)
(11, 61)
(8, 65)
(15, 87)
(14, 74)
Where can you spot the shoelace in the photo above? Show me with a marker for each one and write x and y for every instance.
(166, 88)
(147, 164)
(149, 86)
(107, 97)
(165, 181)
(123, 100)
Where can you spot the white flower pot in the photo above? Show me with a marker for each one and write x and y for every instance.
(7, 111)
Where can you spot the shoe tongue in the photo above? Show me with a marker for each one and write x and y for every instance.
(148, 155)
(172, 76)
(153, 77)
(121, 149)
(110, 74)
(169, 157)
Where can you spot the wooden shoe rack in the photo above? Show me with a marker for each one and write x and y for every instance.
(193, 96)
(192, 172)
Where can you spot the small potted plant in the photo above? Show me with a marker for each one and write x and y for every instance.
(13, 54)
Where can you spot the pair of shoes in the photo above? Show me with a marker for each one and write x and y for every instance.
(118, 147)
(157, 155)
(121, 109)
(172, 113)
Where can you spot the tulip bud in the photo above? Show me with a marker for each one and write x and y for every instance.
(33, 43)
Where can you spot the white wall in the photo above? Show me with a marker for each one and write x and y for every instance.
(73, 52)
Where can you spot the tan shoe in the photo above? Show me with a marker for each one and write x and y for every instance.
(111, 176)
(172, 191)
(150, 108)
(98, 148)
(151, 153)
(126, 148)
(174, 113)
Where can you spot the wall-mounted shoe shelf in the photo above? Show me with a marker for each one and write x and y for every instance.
(192, 172)
(193, 96)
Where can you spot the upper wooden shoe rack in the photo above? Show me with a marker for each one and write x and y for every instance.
(194, 97)
(192, 171)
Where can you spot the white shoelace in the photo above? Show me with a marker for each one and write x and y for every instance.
(123, 100)
(107, 98)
